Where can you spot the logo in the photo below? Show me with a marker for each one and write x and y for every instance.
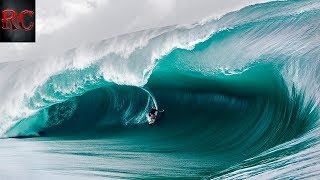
(17, 21)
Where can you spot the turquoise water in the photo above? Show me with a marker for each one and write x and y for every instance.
(240, 93)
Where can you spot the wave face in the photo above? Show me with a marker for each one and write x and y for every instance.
(243, 90)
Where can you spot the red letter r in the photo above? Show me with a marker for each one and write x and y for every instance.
(5, 19)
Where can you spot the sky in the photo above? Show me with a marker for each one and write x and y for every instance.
(64, 24)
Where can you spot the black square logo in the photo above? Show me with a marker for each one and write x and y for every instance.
(18, 21)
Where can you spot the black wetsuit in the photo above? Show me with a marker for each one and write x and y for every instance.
(152, 111)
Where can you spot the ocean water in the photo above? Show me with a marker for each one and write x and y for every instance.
(240, 94)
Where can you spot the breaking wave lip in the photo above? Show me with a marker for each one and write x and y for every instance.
(268, 80)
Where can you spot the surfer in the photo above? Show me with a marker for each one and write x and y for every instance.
(152, 113)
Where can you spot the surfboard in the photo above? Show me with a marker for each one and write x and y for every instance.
(152, 120)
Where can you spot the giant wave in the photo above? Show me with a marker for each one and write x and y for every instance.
(242, 90)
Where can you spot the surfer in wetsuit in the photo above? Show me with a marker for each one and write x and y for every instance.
(152, 112)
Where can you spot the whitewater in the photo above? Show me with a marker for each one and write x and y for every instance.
(240, 93)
